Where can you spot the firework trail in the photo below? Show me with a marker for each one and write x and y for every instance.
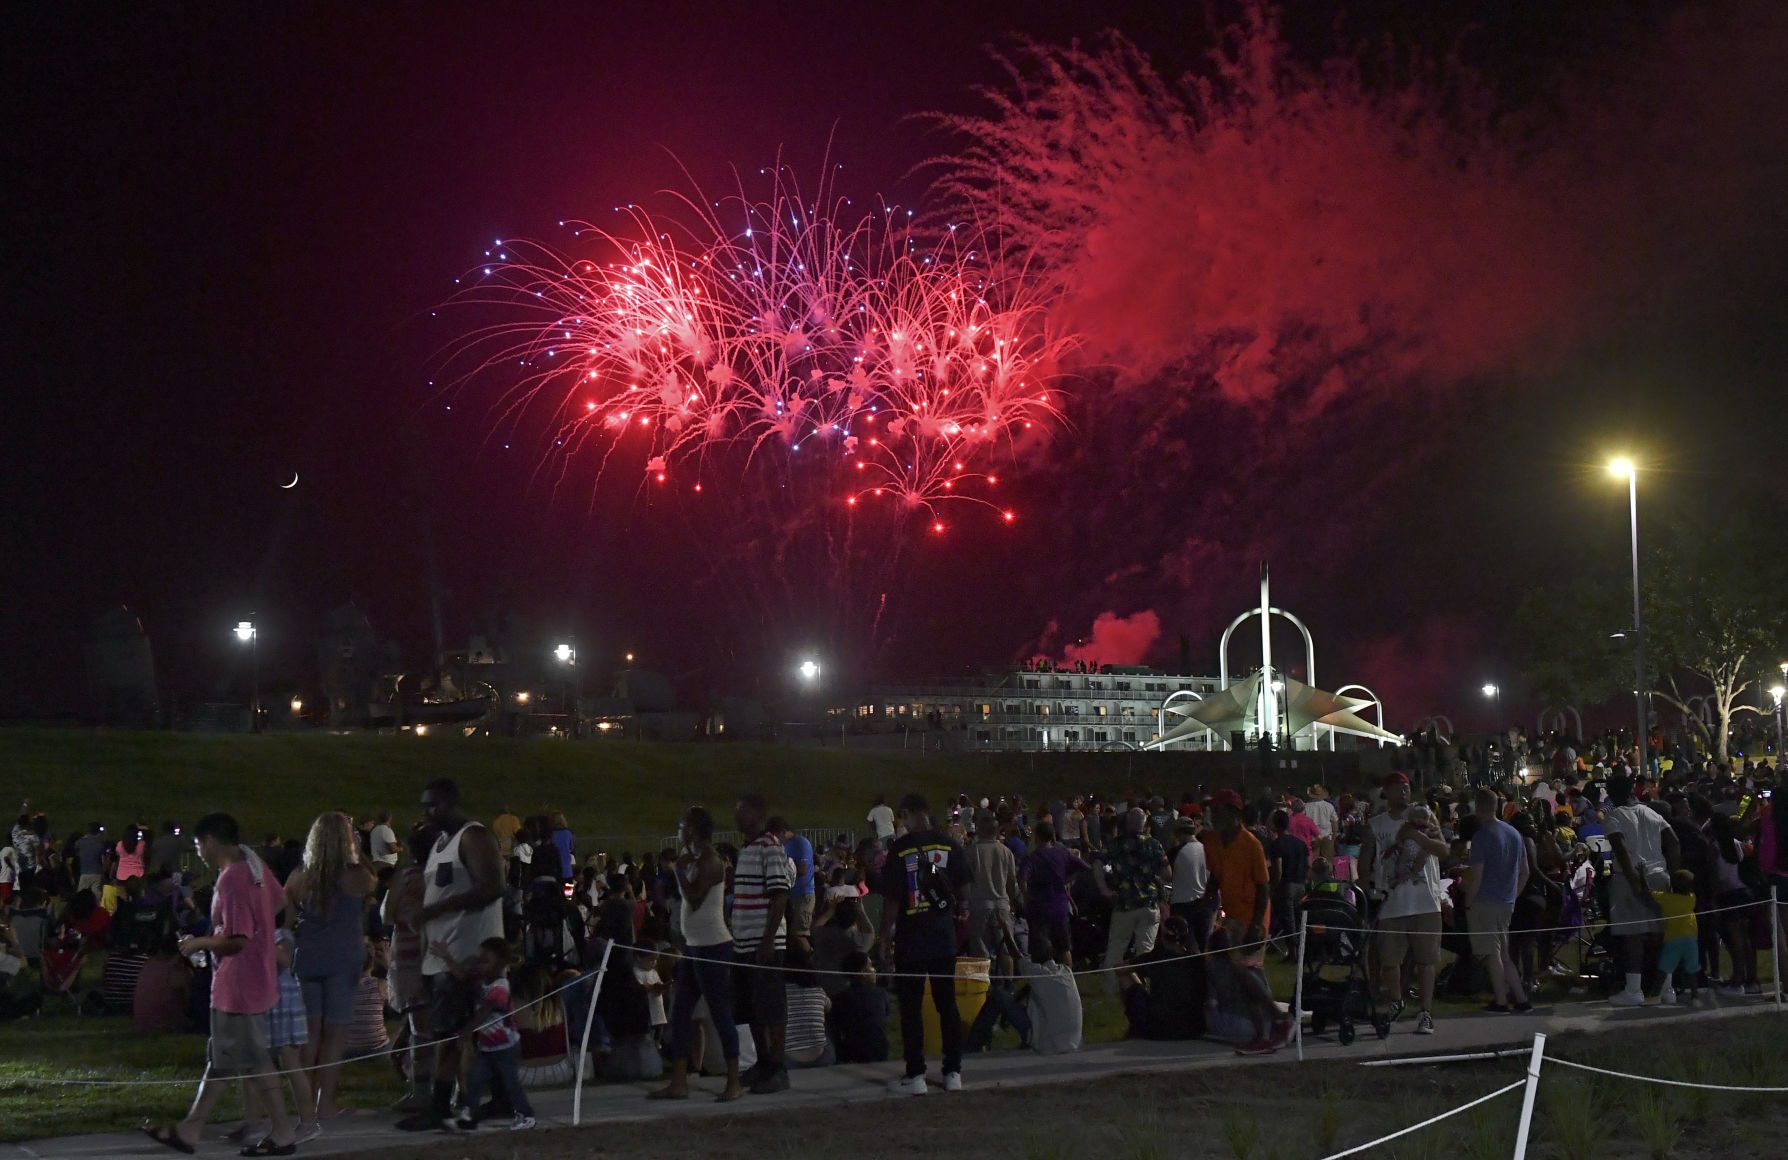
(784, 329)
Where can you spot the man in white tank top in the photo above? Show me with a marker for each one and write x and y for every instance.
(462, 905)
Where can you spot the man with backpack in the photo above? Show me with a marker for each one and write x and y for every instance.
(924, 879)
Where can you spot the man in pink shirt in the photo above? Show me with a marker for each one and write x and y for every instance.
(1303, 826)
(244, 987)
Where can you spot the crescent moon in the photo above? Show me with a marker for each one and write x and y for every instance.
(290, 486)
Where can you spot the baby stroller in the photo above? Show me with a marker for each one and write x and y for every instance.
(1337, 985)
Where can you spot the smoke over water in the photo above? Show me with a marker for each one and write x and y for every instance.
(1291, 281)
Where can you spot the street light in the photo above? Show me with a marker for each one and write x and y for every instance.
(1777, 692)
(245, 633)
(568, 657)
(297, 706)
(1624, 468)
(809, 671)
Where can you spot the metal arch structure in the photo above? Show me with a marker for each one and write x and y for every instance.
(1437, 721)
(1223, 645)
(1161, 717)
(1554, 715)
(1376, 703)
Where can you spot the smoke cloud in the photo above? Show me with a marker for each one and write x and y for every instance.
(1117, 640)
(1293, 284)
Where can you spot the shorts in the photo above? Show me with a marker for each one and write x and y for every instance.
(1628, 915)
(1683, 953)
(330, 998)
(1417, 935)
(1489, 926)
(286, 1026)
(238, 1042)
(452, 1003)
(759, 997)
(800, 914)
(1239, 954)
(987, 927)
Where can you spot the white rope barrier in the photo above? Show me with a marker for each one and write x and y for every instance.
(1586, 924)
(1501, 1091)
(25, 1081)
(1682, 1083)
(978, 975)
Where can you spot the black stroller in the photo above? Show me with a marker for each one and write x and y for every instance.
(1337, 985)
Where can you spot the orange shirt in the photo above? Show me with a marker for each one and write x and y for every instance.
(1240, 870)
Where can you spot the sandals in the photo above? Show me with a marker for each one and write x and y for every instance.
(268, 1148)
(168, 1138)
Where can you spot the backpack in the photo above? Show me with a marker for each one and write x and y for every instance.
(552, 930)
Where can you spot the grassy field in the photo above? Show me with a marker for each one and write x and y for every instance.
(63, 1046)
(1285, 1112)
(279, 782)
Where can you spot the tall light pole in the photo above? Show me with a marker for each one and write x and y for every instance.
(1624, 467)
(1777, 693)
(567, 656)
(245, 632)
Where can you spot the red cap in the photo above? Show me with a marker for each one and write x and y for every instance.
(1226, 797)
(1395, 777)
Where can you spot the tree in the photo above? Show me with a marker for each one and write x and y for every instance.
(1714, 613)
(1566, 632)
(1715, 605)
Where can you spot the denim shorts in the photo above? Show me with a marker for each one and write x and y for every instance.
(330, 998)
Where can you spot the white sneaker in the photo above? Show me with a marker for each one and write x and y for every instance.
(912, 1085)
(1667, 997)
(521, 1123)
(1627, 999)
(1425, 1024)
(952, 1081)
(1732, 989)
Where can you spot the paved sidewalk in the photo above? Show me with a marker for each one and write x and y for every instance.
(856, 1083)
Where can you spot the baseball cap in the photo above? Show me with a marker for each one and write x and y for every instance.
(1226, 797)
(1395, 777)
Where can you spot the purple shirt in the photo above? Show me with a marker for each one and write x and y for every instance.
(1046, 874)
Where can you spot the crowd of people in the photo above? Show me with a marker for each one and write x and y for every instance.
(755, 959)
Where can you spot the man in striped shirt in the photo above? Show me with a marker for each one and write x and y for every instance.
(761, 883)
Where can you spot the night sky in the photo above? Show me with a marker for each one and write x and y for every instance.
(230, 226)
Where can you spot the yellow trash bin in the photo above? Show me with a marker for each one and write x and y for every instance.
(972, 977)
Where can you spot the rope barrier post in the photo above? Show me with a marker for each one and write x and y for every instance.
(1775, 939)
(583, 1052)
(1297, 987)
(1533, 1087)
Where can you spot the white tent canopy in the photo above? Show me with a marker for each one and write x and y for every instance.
(1236, 708)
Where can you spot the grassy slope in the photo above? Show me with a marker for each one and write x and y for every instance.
(281, 781)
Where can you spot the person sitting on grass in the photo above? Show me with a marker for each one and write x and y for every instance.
(492, 1031)
(12, 964)
(808, 1044)
(1054, 1006)
(158, 1004)
(1164, 990)
(860, 1014)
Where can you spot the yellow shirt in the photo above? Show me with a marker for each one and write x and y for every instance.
(1679, 913)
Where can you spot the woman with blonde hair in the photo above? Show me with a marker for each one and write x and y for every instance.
(327, 894)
